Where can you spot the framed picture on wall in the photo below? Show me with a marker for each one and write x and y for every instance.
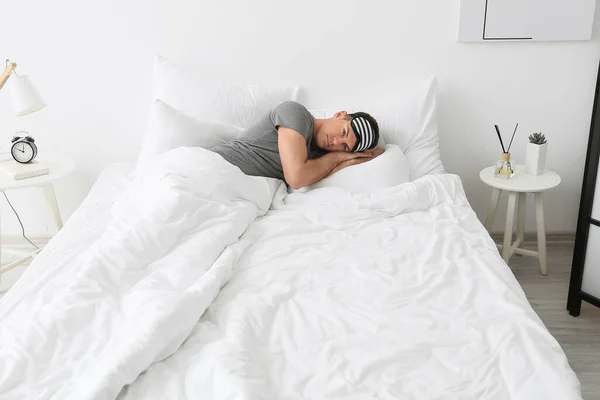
(525, 20)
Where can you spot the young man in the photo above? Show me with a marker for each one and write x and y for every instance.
(290, 144)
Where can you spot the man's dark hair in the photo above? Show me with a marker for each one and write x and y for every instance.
(372, 121)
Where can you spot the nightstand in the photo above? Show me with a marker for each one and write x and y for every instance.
(517, 187)
(59, 167)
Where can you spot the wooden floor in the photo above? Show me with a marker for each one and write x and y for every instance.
(580, 336)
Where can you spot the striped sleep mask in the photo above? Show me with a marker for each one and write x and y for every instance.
(365, 134)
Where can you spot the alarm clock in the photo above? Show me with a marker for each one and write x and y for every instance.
(23, 149)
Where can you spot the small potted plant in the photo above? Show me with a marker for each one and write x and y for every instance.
(536, 154)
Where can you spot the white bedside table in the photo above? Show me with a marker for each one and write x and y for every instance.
(517, 187)
(59, 167)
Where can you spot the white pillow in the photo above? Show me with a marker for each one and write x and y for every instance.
(170, 129)
(208, 100)
(409, 120)
(406, 118)
(389, 169)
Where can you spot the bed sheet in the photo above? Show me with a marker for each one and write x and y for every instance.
(399, 294)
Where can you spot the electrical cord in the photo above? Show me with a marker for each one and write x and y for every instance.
(20, 223)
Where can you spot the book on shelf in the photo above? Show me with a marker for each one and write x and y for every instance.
(22, 171)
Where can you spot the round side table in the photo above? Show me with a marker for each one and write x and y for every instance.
(517, 187)
(59, 167)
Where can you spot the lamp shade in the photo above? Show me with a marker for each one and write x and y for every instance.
(25, 97)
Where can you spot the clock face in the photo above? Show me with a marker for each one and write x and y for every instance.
(22, 152)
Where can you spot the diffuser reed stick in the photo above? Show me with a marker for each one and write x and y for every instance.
(500, 138)
(511, 139)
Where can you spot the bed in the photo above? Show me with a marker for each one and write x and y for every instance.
(180, 277)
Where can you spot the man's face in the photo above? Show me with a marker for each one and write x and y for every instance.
(336, 134)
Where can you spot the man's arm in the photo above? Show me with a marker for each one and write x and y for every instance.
(298, 170)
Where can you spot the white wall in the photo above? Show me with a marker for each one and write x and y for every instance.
(92, 61)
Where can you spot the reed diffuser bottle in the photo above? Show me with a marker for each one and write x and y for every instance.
(504, 168)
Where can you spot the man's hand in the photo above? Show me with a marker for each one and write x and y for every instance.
(357, 158)
(373, 153)
(368, 154)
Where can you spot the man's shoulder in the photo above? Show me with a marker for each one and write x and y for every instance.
(293, 115)
(291, 106)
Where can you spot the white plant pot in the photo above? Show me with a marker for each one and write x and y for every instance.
(536, 158)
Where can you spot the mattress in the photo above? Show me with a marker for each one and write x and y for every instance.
(399, 294)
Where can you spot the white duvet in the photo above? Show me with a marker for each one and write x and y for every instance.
(132, 296)
(398, 294)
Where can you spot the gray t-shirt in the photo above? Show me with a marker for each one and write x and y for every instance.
(257, 153)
